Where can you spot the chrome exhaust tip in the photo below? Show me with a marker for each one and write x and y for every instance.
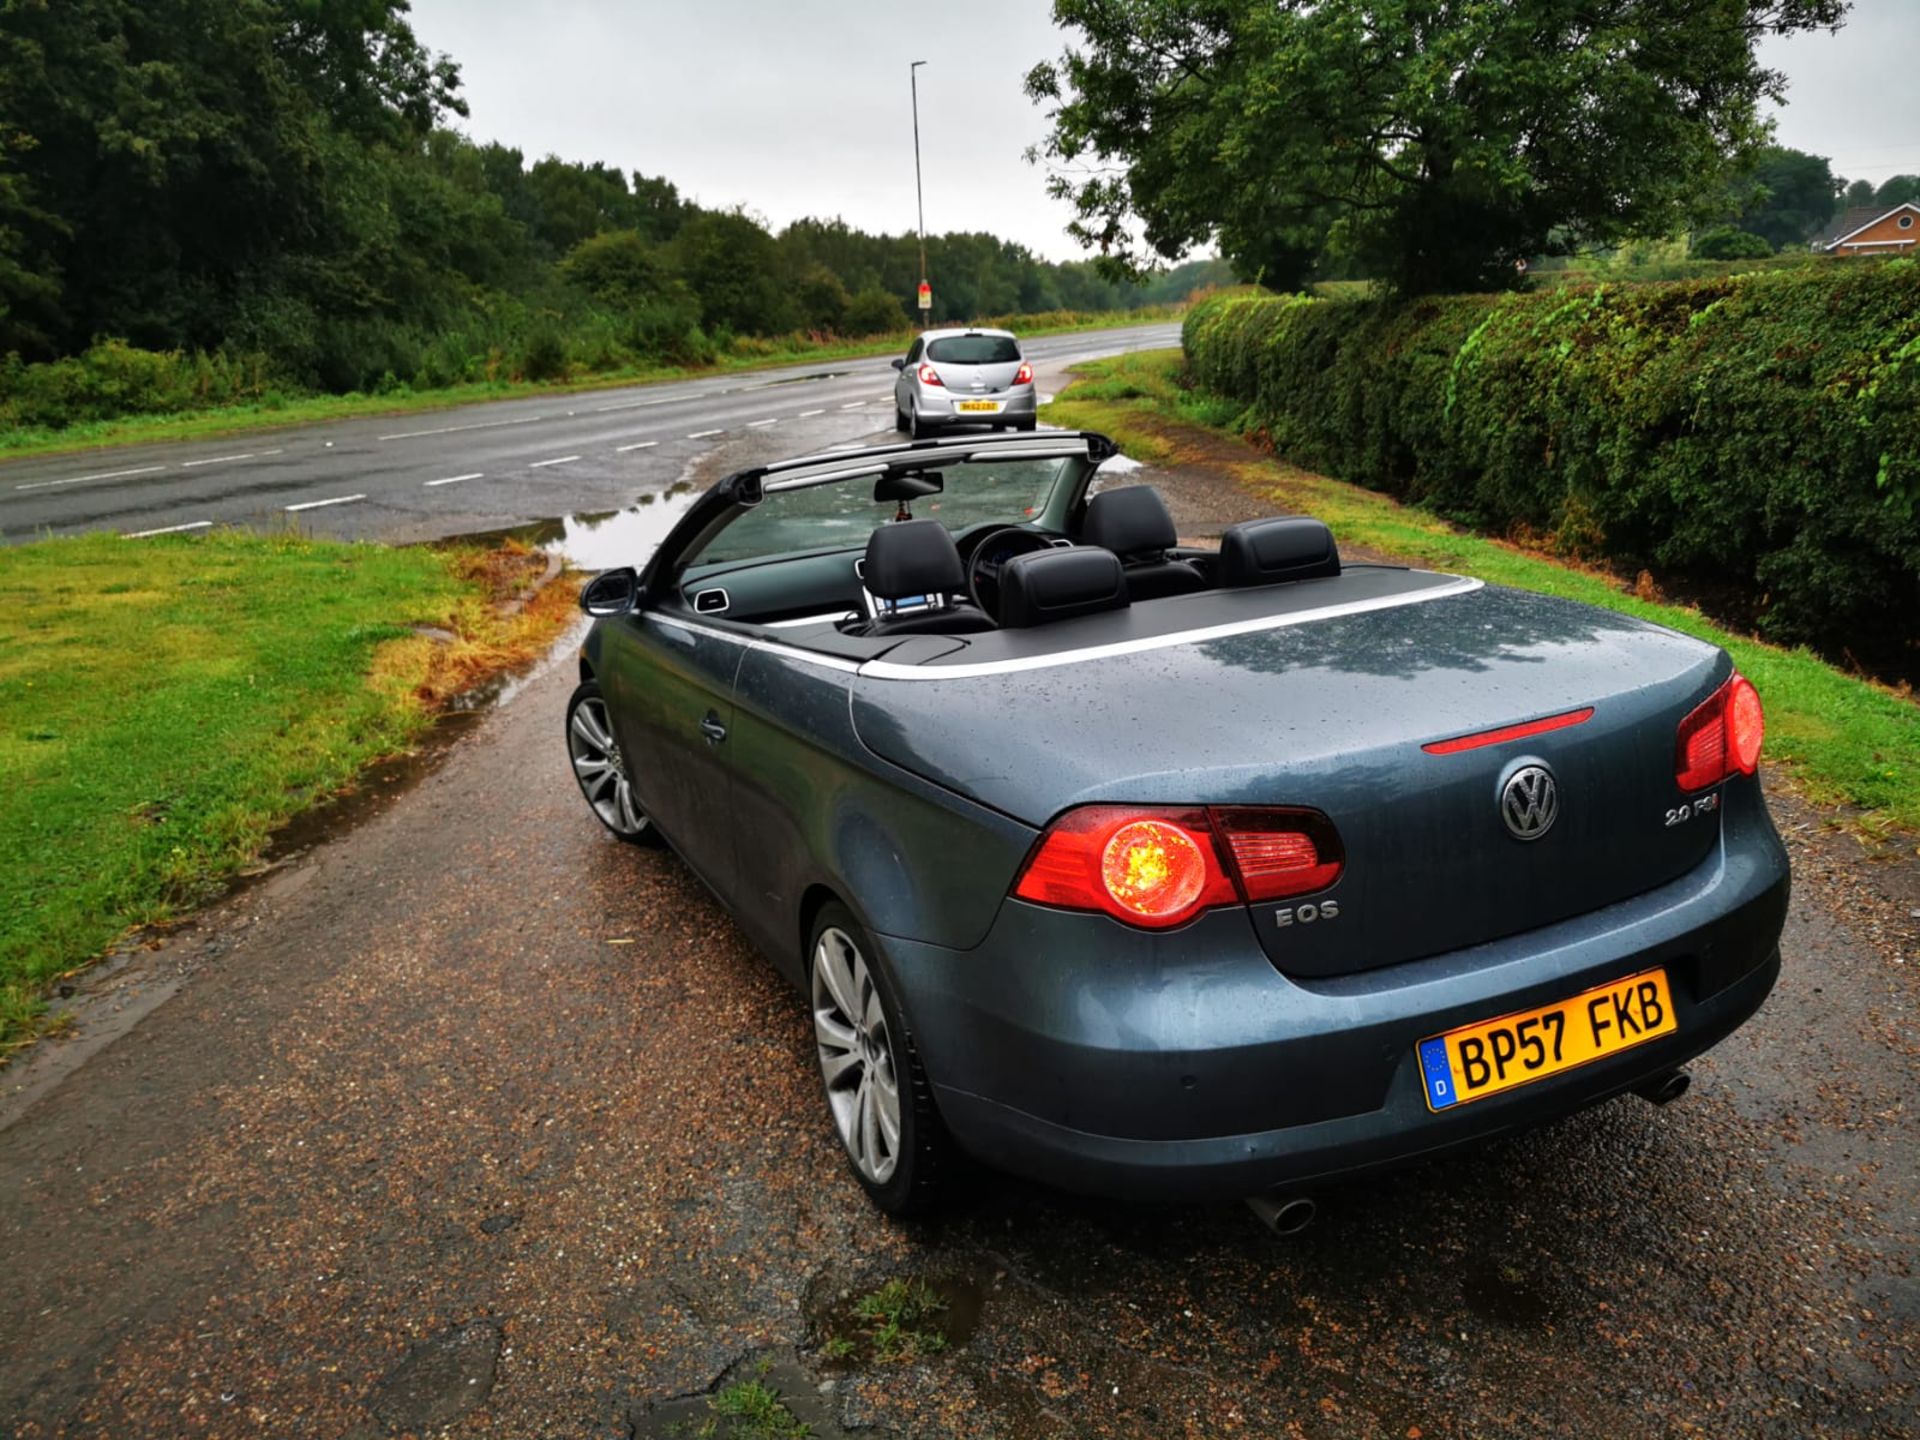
(1284, 1215)
(1664, 1089)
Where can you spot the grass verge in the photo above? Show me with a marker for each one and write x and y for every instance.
(1845, 740)
(166, 704)
(25, 443)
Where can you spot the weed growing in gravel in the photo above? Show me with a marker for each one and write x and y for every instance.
(749, 1410)
(905, 1320)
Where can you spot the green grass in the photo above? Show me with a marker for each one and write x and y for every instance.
(749, 1410)
(903, 1320)
(1844, 740)
(23, 442)
(165, 704)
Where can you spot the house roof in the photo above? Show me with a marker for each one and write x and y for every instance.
(1856, 219)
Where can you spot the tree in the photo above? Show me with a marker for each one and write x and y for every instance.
(1435, 141)
(874, 312)
(732, 266)
(1786, 195)
(1860, 192)
(1898, 190)
(617, 267)
(1724, 242)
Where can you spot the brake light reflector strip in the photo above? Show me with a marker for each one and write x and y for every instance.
(1509, 732)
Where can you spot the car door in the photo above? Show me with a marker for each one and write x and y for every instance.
(670, 683)
(903, 382)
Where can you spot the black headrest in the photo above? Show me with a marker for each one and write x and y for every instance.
(1056, 584)
(1133, 521)
(912, 557)
(1264, 552)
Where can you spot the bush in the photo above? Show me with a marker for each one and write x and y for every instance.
(1723, 242)
(1756, 436)
(873, 312)
(545, 356)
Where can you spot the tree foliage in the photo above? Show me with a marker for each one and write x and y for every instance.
(1435, 142)
(1786, 195)
(270, 188)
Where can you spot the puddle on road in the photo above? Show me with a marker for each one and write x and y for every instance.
(603, 539)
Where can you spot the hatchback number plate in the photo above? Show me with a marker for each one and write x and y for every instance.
(1494, 1055)
(986, 407)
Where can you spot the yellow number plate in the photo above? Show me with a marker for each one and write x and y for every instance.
(990, 407)
(1494, 1055)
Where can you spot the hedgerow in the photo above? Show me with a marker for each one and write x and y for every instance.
(1756, 436)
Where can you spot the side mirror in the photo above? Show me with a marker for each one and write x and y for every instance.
(899, 364)
(611, 592)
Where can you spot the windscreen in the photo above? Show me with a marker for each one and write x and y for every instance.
(975, 350)
(842, 513)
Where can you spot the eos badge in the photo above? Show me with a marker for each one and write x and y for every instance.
(1306, 914)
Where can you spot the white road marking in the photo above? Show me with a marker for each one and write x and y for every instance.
(809, 414)
(703, 434)
(82, 479)
(760, 424)
(562, 460)
(452, 429)
(336, 500)
(223, 459)
(170, 529)
(855, 405)
(643, 404)
(456, 479)
(637, 445)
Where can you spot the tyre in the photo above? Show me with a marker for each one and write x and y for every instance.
(877, 1094)
(1030, 423)
(918, 428)
(899, 417)
(601, 768)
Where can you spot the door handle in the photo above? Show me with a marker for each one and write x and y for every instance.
(713, 729)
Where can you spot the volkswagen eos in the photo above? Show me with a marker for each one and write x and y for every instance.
(1153, 870)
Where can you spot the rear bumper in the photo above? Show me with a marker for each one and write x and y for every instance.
(1081, 1053)
(937, 406)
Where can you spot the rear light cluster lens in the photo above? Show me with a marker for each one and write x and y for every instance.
(1024, 375)
(1721, 737)
(1159, 868)
(929, 375)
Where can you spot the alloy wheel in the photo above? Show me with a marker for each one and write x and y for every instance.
(856, 1056)
(602, 770)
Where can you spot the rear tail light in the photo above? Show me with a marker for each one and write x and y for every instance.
(929, 375)
(1158, 868)
(1024, 375)
(1721, 737)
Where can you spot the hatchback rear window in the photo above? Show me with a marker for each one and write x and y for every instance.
(975, 350)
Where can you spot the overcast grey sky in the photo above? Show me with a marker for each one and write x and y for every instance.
(801, 108)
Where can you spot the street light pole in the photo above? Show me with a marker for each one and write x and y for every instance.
(919, 197)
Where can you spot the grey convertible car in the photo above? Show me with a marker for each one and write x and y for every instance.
(1150, 870)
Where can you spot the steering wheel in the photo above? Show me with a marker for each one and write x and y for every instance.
(994, 550)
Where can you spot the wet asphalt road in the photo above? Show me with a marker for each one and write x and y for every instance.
(481, 467)
(476, 1121)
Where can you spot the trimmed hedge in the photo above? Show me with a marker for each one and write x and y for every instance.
(1755, 438)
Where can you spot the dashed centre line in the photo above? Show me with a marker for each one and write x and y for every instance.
(225, 459)
(637, 445)
(704, 434)
(452, 429)
(809, 414)
(760, 424)
(456, 479)
(83, 479)
(335, 500)
(170, 529)
(853, 405)
(560, 460)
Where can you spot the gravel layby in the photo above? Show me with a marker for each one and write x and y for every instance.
(475, 1122)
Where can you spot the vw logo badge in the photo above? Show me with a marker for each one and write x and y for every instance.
(1530, 802)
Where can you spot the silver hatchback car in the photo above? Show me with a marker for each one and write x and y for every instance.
(963, 377)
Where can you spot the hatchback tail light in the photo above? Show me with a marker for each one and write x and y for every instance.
(1158, 868)
(1721, 737)
(1024, 375)
(929, 375)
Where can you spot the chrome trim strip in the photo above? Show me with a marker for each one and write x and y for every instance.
(886, 670)
(827, 477)
(820, 619)
(789, 652)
